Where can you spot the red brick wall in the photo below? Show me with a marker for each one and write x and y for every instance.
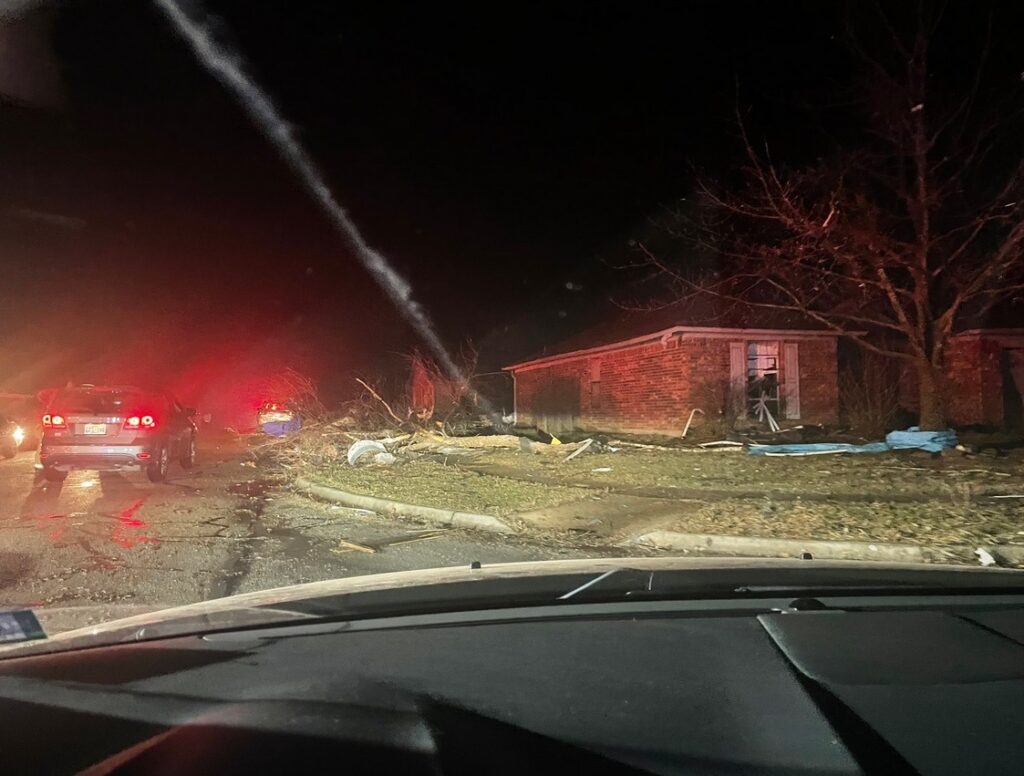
(653, 388)
(975, 383)
(964, 360)
(819, 380)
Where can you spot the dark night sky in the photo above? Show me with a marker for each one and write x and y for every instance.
(494, 156)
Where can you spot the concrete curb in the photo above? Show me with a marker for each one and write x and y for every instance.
(1005, 554)
(385, 506)
(787, 548)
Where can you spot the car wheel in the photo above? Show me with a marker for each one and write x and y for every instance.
(188, 459)
(7, 451)
(54, 475)
(157, 470)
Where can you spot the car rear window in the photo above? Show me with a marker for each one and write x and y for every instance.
(98, 401)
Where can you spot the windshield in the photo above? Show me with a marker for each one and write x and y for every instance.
(424, 289)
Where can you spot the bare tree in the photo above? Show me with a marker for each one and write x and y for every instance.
(895, 239)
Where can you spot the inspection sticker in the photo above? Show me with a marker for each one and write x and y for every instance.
(19, 625)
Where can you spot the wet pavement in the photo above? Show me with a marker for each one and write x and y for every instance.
(102, 545)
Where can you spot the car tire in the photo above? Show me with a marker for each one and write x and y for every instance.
(54, 475)
(7, 451)
(157, 470)
(188, 458)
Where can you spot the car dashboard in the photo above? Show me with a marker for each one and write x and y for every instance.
(781, 685)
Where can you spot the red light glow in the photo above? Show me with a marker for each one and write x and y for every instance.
(54, 421)
(137, 422)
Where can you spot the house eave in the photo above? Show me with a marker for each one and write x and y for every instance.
(663, 335)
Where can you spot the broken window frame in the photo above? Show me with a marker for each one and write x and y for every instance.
(763, 370)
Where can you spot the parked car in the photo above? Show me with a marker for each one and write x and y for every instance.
(11, 437)
(119, 428)
(277, 419)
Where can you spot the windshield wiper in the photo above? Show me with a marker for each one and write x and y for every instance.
(646, 585)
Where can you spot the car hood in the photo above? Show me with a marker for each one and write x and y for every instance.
(117, 624)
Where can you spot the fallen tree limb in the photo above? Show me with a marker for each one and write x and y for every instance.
(378, 397)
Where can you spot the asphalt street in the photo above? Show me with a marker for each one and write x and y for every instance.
(102, 545)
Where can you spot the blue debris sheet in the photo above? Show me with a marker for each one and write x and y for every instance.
(911, 439)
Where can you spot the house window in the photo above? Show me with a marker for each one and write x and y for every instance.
(763, 379)
(595, 381)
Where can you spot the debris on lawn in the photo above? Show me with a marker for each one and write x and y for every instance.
(764, 415)
(640, 446)
(791, 435)
(689, 420)
(586, 443)
(425, 440)
(722, 444)
(914, 438)
(985, 557)
(362, 449)
(817, 448)
(900, 497)
(911, 439)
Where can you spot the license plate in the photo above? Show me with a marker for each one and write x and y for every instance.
(95, 429)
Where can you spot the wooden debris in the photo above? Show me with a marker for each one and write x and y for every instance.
(620, 443)
(425, 440)
(582, 446)
(417, 538)
(346, 546)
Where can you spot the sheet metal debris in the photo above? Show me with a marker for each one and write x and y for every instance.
(911, 439)
(362, 448)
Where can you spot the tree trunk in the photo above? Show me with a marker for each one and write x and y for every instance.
(932, 399)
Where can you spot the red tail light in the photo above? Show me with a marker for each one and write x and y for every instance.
(139, 422)
(54, 421)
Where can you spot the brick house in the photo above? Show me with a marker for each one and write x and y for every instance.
(986, 379)
(649, 377)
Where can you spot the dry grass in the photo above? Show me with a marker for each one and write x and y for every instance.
(883, 477)
(429, 483)
(926, 522)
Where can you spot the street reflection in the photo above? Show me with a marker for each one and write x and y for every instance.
(113, 515)
(116, 488)
(42, 499)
